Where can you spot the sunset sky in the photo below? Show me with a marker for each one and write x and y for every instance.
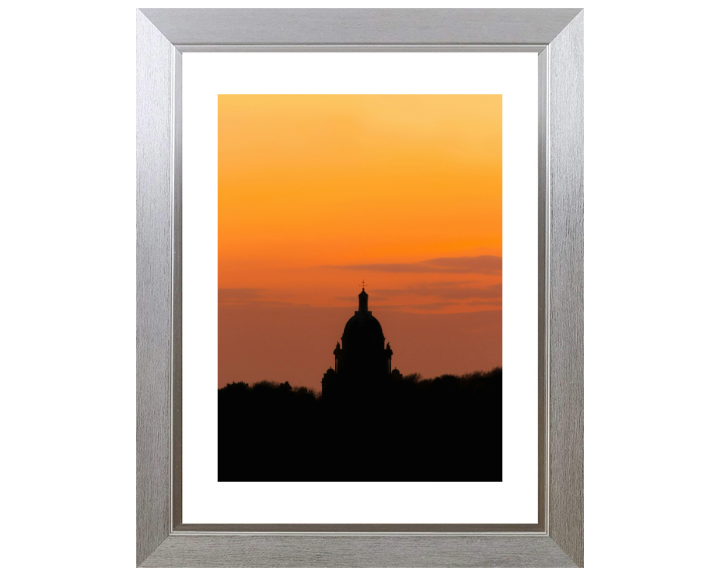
(320, 192)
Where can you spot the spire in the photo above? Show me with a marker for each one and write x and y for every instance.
(363, 297)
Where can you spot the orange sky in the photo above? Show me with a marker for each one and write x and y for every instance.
(318, 192)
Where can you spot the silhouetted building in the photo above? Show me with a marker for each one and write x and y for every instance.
(363, 354)
(370, 424)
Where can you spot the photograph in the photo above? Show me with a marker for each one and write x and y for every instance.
(360, 288)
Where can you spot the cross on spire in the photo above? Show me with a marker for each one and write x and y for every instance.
(363, 284)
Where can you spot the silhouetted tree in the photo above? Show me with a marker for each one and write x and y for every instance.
(394, 428)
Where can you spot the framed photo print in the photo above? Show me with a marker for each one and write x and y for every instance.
(359, 287)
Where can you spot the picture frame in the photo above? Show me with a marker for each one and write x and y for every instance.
(163, 540)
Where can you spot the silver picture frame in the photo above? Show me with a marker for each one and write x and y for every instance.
(163, 540)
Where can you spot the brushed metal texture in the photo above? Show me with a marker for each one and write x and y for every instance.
(566, 276)
(154, 204)
(162, 539)
(361, 551)
(360, 26)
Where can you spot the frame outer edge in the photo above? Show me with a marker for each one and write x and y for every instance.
(157, 185)
(253, 26)
(566, 289)
(154, 173)
(223, 550)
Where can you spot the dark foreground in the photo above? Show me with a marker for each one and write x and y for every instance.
(405, 429)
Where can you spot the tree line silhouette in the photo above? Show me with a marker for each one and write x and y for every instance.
(393, 428)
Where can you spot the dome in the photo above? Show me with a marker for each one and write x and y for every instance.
(363, 353)
(363, 331)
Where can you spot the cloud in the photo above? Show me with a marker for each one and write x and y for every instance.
(447, 291)
(376, 295)
(238, 295)
(257, 296)
(464, 265)
(428, 306)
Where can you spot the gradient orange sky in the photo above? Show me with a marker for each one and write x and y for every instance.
(319, 192)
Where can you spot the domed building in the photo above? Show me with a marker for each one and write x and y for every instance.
(363, 354)
(363, 350)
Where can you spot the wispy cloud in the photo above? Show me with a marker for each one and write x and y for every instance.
(444, 290)
(244, 296)
(227, 295)
(419, 296)
(463, 265)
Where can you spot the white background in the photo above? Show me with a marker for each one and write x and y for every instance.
(512, 501)
(67, 319)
